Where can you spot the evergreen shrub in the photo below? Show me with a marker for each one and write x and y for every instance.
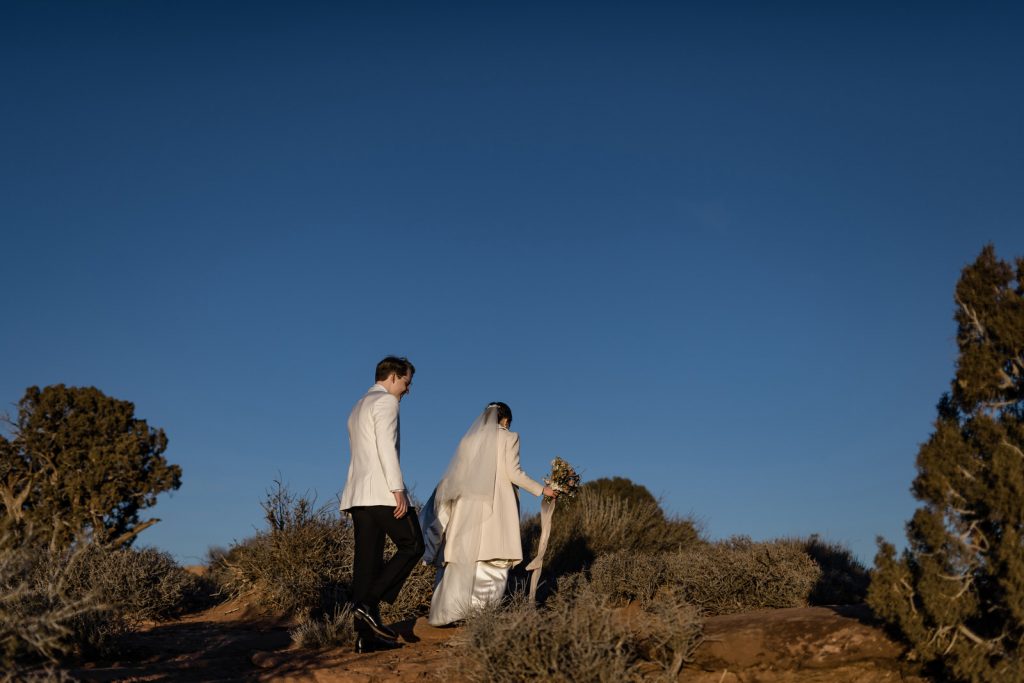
(956, 594)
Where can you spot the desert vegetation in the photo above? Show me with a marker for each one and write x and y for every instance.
(607, 515)
(629, 587)
(74, 602)
(956, 595)
(80, 465)
(579, 638)
(626, 587)
(74, 475)
(300, 565)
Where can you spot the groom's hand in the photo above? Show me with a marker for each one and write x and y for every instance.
(401, 504)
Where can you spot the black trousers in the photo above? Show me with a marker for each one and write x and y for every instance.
(374, 580)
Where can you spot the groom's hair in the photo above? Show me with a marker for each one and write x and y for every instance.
(394, 364)
(503, 410)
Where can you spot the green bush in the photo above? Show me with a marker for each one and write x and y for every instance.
(956, 594)
(79, 463)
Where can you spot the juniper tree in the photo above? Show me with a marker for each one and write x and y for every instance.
(957, 592)
(80, 461)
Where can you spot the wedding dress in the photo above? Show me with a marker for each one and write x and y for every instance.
(472, 516)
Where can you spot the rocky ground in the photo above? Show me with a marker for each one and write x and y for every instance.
(229, 643)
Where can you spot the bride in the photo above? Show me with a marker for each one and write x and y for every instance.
(471, 522)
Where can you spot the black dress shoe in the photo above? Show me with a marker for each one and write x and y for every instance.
(366, 644)
(371, 617)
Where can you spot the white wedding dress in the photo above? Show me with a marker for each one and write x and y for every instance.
(460, 587)
(474, 498)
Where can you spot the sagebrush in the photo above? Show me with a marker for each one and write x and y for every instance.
(330, 630)
(725, 577)
(582, 639)
(596, 523)
(41, 616)
(302, 563)
(56, 601)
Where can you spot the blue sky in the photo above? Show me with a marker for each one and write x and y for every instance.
(711, 247)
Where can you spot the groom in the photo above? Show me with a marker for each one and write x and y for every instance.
(375, 496)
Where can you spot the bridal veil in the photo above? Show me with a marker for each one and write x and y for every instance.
(453, 518)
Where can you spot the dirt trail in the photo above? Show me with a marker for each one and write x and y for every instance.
(229, 643)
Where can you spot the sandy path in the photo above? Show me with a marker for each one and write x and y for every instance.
(228, 643)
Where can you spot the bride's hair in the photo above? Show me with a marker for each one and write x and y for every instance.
(503, 410)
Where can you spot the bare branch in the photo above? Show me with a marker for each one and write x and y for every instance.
(132, 533)
(1013, 448)
(979, 329)
(975, 638)
(910, 595)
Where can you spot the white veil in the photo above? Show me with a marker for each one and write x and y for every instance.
(454, 539)
(470, 474)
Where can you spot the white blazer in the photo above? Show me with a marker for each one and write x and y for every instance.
(374, 442)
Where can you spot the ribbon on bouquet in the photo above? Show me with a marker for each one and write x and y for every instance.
(547, 509)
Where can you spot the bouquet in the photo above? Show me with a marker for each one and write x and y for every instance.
(563, 478)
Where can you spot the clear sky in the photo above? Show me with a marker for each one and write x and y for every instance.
(709, 247)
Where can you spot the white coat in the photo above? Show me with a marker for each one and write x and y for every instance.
(374, 443)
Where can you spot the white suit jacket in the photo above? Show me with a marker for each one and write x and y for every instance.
(373, 439)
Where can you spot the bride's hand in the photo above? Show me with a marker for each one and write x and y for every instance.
(550, 492)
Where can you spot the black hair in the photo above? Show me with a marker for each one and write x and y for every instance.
(503, 410)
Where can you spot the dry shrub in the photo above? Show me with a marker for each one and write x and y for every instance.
(333, 629)
(627, 576)
(566, 589)
(738, 575)
(844, 580)
(139, 585)
(414, 599)
(56, 601)
(670, 632)
(620, 487)
(301, 564)
(578, 639)
(735, 575)
(42, 615)
(595, 524)
(43, 674)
